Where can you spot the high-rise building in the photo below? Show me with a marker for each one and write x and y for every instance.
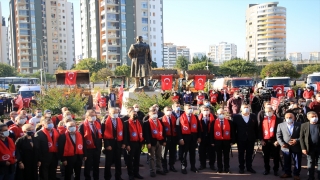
(109, 27)
(3, 39)
(222, 52)
(314, 56)
(295, 56)
(265, 32)
(198, 55)
(42, 35)
(171, 52)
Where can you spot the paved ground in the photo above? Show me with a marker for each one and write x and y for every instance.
(207, 174)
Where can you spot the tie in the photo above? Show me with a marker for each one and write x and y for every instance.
(221, 126)
(189, 118)
(114, 123)
(94, 129)
(169, 120)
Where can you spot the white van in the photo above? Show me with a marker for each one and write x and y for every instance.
(269, 82)
(29, 91)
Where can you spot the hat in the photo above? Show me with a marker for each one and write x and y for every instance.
(47, 111)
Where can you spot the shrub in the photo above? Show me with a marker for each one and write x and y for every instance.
(12, 88)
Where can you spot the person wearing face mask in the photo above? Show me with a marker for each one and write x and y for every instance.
(188, 131)
(54, 119)
(290, 93)
(308, 93)
(155, 137)
(208, 105)
(159, 112)
(310, 142)
(288, 137)
(169, 125)
(224, 97)
(315, 105)
(303, 105)
(246, 133)
(112, 132)
(8, 154)
(36, 119)
(267, 134)
(72, 151)
(205, 148)
(48, 149)
(214, 97)
(177, 111)
(13, 116)
(175, 97)
(140, 113)
(16, 128)
(187, 98)
(261, 113)
(280, 94)
(28, 148)
(102, 103)
(234, 104)
(200, 98)
(90, 129)
(221, 138)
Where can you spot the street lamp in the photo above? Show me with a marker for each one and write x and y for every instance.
(42, 63)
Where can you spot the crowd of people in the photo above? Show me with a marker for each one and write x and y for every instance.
(33, 147)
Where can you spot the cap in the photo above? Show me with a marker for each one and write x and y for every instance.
(47, 111)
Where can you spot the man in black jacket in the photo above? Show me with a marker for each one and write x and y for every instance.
(139, 113)
(246, 131)
(154, 135)
(72, 151)
(310, 142)
(188, 130)
(177, 112)
(267, 134)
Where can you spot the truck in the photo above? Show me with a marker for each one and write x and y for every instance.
(312, 80)
(233, 84)
(269, 82)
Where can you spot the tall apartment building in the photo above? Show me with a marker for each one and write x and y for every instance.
(109, 27)
(198, 55)
(265, 32)
(222, 52)
(295, 56)
(314, 56)
(171, 53)
(42, 35)
(3, 39)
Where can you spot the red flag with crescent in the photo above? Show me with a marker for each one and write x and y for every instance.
(318, 86)
(19, 102)
(166, 82)
(200, 82)
(278, 87)
(71, 78)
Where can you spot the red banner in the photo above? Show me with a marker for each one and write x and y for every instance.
(200, 82)
(19, 102)
(166, 82)
(274, 103)
(71, 78)
(278, 87)
(318, 86)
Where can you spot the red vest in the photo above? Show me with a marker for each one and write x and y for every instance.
(17, 131)
(167, 126)
(211, 118)
(52, 144)
(68, 146)
(268, 129)
(135, 131)
(156, 131)
(290, 93)
(175, 98)
(214, 98)
(225, 135)
(200, 99)
(88, 133)
(108, 132)
(279, 95)
(186, 127)
(103, 102)
(308, 94)
(7, 154)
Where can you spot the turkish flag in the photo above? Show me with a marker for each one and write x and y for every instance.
(278, 87)
(318, 86)
(166, 82)
(71, 78)
(274, 103)
(19, 102)
(200, 82)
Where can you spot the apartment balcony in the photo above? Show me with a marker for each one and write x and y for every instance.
(113, 44)
(103, 28)
(104, 45)
(22, 8)
(22, 1)
(104, 52)
(112, 2)
(103, 12)
(102, 4)
(24, 53)
(113, 61)
(113, 27)
(24, 47)
(112, 11)
(113, 52)
(25, 60)
(110, 19)
(23, 41)
(103, 36)
(22, 21)
(113, 36)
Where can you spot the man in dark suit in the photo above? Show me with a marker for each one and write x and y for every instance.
(267, 134)
(177, 109)
(299, 93)
(246, 132)
(139, 113)
(310, 142)
(13, 116)
(224, 97)
(288, 137)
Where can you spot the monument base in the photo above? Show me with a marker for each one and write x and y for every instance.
(141, 89)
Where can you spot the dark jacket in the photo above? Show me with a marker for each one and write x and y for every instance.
(260, 128)
(28, 154)
(234, 105)
(245, 131)
(61, 145)
(97, 142)
(232, 132)
(221, 97)
(305, 138)
(188, 137)
(147, 134)
(44, 154)
(126, 136)
(176, 115)
(111, 142)
(205, 128)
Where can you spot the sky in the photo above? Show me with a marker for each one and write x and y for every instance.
(200, 23)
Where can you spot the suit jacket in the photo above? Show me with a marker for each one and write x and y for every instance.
(232, 133)
(245, 131)
(283, 136)
(97, 142)
(111, 142)
(147, 135)
(305, 136)
(221, 97)
(205, 128)
(176, 115)
(188, 137)
(260, 128)
(44, 154)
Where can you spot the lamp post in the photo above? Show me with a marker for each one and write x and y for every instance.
(42, 63)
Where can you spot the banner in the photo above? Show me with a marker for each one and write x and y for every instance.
(318, 87)
(274, 103)
(166, 82)
(71, 78)
(278, 87)
(200, 82)
(19, 101)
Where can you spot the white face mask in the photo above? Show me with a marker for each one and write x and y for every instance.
(190, 111)
(168, 113)
(5, 133)
(154, 116)
(115, 116)
(269, 114)
(93, 118)
(72, 129)
(268, 106)
(236, 96)
(136, 109)
(39, 114)
(22, 121)
(205, 112)
(303, 103)
(69, 117)
(48, 115)
(157, 108)
(246, 110)
(289, 120)
(221, 116)
(314, 119)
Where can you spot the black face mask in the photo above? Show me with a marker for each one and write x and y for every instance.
(135, 116)
(30, 133)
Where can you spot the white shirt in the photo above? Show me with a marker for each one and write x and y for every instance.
(225, 97)
(34, 120)
(246, 118)
(73, 137)
(290, 128)
(168, 117)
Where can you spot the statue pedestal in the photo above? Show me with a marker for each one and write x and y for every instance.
(142, 88)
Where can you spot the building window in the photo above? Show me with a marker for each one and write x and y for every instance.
(145, 28)
(144, 5)
(154, 21)
(145, 20)
(154, 29)
(35, 64)
(154, 44)
(154, 6)
(154, 14)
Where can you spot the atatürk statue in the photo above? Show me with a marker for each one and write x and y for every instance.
(140, 55)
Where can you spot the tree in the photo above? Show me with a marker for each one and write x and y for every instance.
(264, 59)
(90, 64)
(237, 67)
(202, 66)
(276, 69)
(63, 66)
(182, 63)
(103, 74)
(154, 64)
(123, 70)
(12, 88)
(7, 70)
(311, 69)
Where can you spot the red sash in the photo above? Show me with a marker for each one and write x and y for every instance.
(69, 148)
(156, 131)
(211, 118)
(61, 129)
(175, 98)
(268, 129)
(17, 131)
(7, 154)
(218, 135)
(187, 128)
(167, 126)
(200, 99)
(108, 132)
(135, 131)
(52, 144)
(88, 133)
